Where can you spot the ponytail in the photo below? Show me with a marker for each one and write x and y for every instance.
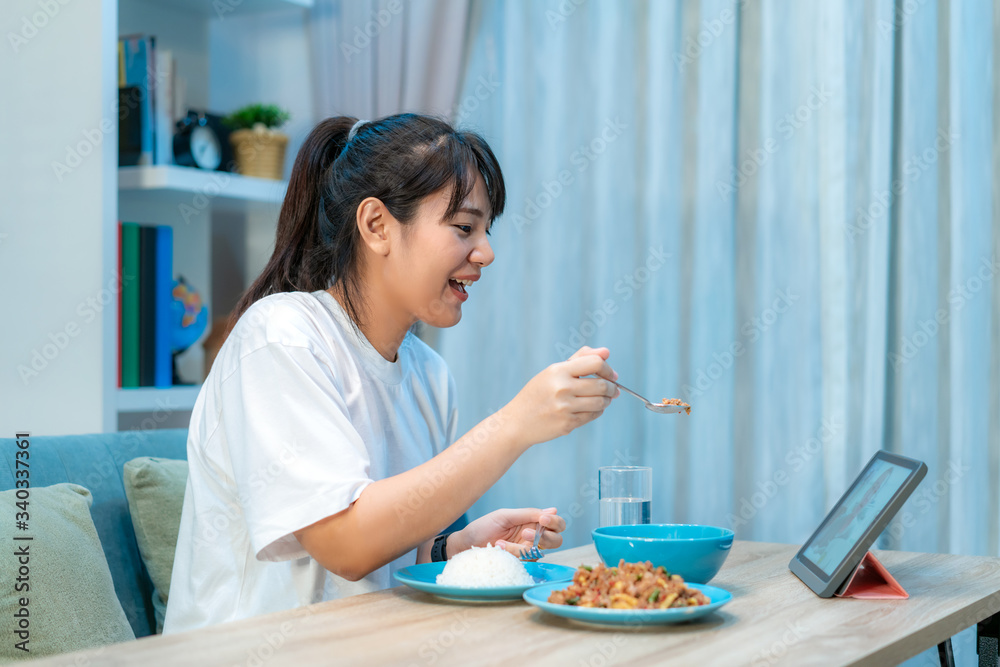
(399, 160)
(297, 260)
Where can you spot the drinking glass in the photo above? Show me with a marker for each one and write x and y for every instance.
(626, 494)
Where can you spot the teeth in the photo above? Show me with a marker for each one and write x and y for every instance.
(463, 282)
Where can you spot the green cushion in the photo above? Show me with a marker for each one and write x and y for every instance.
(71, 601)
(155, 491)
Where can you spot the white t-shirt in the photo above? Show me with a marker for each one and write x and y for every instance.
(297, 416)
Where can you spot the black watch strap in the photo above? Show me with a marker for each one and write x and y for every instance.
(438, 552)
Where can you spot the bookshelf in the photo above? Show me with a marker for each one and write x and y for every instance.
(226, 191)
(224, 8)
(222, 222)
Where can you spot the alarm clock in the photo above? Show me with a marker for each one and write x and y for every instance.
(202, 141)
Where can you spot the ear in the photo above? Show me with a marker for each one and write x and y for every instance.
(373, 220)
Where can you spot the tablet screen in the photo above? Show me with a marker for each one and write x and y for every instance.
(832, 553)
(855, 514)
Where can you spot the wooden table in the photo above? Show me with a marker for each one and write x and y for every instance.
(772, 618)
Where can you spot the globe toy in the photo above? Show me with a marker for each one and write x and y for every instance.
(188, 316)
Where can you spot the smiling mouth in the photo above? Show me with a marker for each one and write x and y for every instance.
(458, 286)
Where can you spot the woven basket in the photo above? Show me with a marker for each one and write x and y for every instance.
(260, 152)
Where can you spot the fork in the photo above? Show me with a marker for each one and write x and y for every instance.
(534, 553)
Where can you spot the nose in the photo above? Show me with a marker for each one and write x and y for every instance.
(482, 254)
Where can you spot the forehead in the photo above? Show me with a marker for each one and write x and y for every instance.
(437, 203)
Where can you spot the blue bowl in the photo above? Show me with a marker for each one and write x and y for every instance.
(694, 552)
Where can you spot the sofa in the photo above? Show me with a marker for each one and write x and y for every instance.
(95, 462)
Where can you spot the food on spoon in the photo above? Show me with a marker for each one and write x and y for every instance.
(628, 586)
(484, 567)
(677, 401)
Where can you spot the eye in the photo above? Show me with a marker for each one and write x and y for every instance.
(466, 229)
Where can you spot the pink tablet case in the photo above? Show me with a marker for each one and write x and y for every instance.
(870, 580)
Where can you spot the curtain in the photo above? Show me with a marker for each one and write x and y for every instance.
(785, 213)
(373, 58)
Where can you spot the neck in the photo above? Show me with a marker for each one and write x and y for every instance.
(381, 324)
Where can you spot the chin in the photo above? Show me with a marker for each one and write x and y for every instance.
(443, 320)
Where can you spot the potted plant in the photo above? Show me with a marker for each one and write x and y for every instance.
(258, 146)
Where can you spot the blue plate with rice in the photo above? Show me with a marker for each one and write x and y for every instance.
(423, 577)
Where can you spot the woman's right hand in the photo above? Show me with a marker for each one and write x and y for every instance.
(561, 397)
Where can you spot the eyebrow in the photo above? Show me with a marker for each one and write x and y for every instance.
(472, 210)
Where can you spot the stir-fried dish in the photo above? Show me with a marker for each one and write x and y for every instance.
(677, 401)
(628, 586)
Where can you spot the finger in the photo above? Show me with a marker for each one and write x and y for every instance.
(552, 522)
(602, 352)
(550, 540)
(594, 387)
(510, 547)
(591, 365)
(519, 516)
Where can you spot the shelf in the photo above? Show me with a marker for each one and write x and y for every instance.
(226, 8)
(199, 188)
(152, 399)
(220, 185)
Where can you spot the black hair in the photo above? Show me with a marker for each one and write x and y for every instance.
(399, 160)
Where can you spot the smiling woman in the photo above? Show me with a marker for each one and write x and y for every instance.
(322, 448)
(382, 171)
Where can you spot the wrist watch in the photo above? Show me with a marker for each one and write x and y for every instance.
(438, 552)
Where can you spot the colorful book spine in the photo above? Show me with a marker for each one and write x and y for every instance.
(121, 64)
(130, 304)
(140, 71)
(163, 107)
(163, 359)
(147, 306)
(118, 305)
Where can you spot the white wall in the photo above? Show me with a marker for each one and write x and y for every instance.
(261, 58)
(52, 235)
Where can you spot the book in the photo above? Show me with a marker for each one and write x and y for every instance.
(118, 297)
(121, 64)
(163, 375)
(163, 106)
(129, 127)
(139, 68)
(118, 306)
(130, 304)
(147, 306)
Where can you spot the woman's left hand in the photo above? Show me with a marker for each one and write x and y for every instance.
(512, 529)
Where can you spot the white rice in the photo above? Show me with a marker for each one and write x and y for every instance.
(484, 567)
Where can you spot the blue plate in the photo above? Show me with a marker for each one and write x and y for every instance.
(423, 577)
(539, 596)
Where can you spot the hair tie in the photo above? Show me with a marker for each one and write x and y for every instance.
(354, 129)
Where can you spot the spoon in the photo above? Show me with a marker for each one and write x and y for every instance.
(655, 407)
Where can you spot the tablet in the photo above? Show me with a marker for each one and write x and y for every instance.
(827, 559)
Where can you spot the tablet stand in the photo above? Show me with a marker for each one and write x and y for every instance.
(870, 580)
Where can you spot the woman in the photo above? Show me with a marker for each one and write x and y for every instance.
(322, 449)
